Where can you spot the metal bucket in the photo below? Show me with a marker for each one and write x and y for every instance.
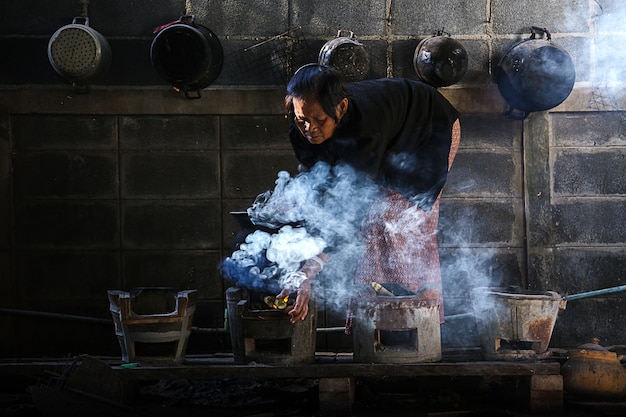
(515, 324)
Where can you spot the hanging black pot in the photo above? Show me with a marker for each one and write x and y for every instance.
(79, 53)
(187, 55)
(535, 75)
(440, 60)
(347, 55)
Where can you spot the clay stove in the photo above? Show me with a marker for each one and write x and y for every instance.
(395, 329)
(265, 335)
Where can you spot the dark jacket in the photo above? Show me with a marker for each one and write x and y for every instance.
(397, 131)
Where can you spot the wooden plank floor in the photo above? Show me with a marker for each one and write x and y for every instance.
(326, 365)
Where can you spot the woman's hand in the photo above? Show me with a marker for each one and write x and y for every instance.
(300, 308)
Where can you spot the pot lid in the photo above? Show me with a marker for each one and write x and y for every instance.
(594, 350)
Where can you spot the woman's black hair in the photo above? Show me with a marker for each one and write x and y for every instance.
(319, 82)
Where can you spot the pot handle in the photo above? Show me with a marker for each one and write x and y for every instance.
(536, 30)
(516, 114)
(340, 31)
(188, 19)
(85, 20)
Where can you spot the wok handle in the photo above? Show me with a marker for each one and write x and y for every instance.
(536, 30)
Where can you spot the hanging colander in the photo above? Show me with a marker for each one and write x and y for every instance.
(79, 53)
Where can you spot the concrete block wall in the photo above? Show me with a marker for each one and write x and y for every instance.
(131, 183)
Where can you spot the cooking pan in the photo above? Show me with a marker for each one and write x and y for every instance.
(440, 60)
(346, 55)
(79, 53)
(187, 55)
(535, 75)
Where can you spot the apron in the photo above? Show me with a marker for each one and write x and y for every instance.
(401, 241)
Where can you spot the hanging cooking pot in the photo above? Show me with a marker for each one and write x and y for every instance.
(535, 75)
(187, 55)
(346, 55)
(440, 60)
(79, 53)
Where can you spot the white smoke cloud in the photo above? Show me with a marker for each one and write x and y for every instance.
(314, 211)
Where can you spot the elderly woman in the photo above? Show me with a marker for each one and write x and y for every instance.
(404, 135)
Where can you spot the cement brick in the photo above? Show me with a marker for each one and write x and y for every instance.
(135, 54)
(247, 174)
(583, 319)
(578, 222)
(66, 174)
(233, 18)
(491, 222)
(588, 129)
(402, 58)
(171, 132)
(59, 13)
(484, 174)
(178, 269)
(463, 269)
(490, 132)
(549, 383)
(478, 62)
(182, 224)
(254, 132)
(63, 132)
(136, 18)
(170, 175)
(67, 224)
(29, 61)
(78, 276)
(421, 18)
(557, 16)
(363, 18)
(589, 173)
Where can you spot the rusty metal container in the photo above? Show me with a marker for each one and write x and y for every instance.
(515, 324)
(266, 335)
(395, 329)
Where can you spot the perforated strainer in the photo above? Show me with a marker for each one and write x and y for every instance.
(79, 53)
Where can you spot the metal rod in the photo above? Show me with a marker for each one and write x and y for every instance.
(596, 292)
(225, 329)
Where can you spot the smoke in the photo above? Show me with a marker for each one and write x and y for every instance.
(318, 210)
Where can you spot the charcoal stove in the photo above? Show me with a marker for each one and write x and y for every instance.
(265, 335)
(395, 328)
(515, 324)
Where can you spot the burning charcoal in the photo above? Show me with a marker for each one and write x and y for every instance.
(276, 303)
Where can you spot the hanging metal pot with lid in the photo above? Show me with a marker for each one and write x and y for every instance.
(535, 75)
(346, 55)
(187, 55)
(440, 60)
(79, 53)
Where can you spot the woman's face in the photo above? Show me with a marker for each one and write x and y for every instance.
(314, 124)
